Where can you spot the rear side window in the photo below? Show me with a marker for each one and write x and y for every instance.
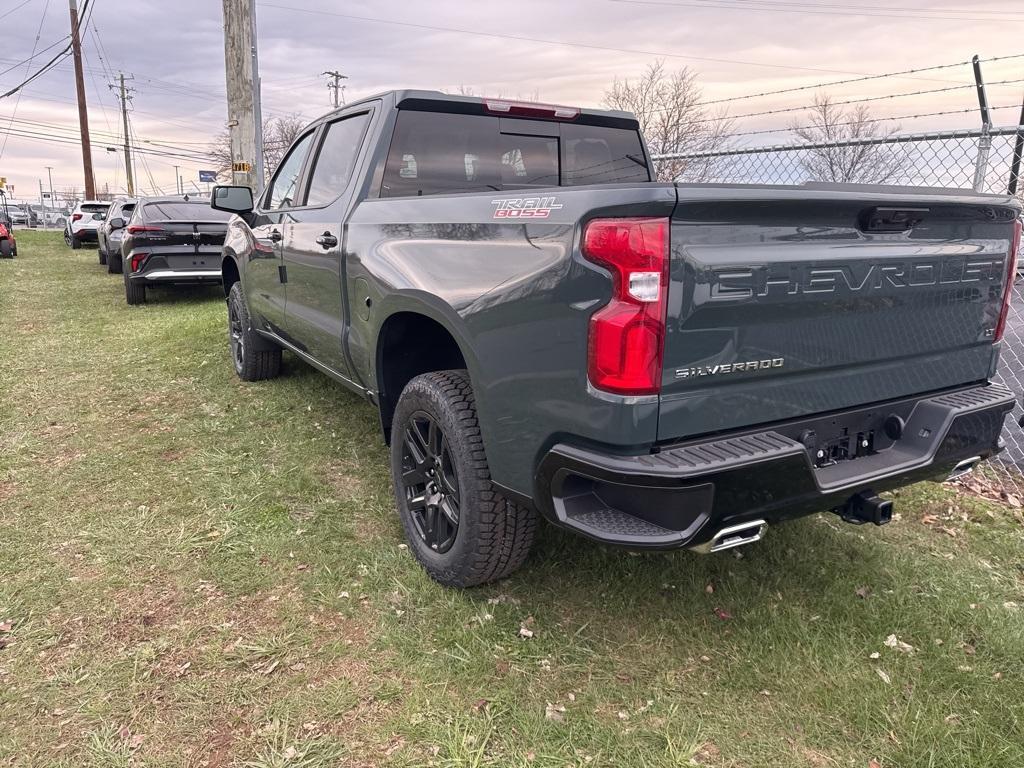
(336, 158)
(181, 211)
(437, 153)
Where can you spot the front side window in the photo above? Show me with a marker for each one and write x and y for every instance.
(283, 189)
(336, 159)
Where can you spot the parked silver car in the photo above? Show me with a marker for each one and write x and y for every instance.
(110, 238)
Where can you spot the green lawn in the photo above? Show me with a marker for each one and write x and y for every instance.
(200, 572)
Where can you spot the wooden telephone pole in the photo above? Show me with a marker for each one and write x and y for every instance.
(335, 86)
(124, 96)
(242, 74)
(83, 114)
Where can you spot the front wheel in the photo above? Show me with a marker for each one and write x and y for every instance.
(462, 531)
(254, 357)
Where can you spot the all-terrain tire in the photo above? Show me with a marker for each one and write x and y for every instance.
(7, 250)
(103, 256)
(134, 292)
(114, 264)
(254, 357)
(494, 534)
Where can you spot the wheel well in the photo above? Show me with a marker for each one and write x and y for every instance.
(410, 344)
(229, 274)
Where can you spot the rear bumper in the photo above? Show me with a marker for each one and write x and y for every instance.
(682, 495)
(177, 276)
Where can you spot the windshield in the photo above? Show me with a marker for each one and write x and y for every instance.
(173, 210)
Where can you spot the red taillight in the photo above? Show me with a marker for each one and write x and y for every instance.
(1011, 276)
(137, 259)
(134, 229)
(627, 336)
(76, 216)
(531, 109)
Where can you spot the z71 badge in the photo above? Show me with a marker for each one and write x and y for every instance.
(525, 207)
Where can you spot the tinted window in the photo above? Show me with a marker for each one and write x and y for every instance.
(436, 153)
(282, 191)
(181, 211)
(94, 208)
(334, 162)
(597, 155)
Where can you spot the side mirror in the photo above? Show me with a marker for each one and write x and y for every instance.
(232, 199)
(117, 223)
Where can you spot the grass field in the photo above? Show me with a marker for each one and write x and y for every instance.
(195, 571)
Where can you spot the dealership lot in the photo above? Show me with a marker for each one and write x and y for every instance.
(198, 569)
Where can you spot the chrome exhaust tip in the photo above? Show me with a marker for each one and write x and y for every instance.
(734, 536)
(965, 467)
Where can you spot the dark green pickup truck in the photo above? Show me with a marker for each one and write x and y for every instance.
(546, 331)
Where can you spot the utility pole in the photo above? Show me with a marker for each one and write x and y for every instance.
(83, 114)
(335, 86)
(177, 180)
(124, 96)
(49, 175)
(241, 66)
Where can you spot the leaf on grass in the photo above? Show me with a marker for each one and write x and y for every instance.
(894, 642)
(863, 592)
(6, 626)
(872, 763)
(555, 712)
(723, 614)
(929, 519)
(525, 632)
(884, 675)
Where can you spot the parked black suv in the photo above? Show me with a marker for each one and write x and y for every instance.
(175, 240)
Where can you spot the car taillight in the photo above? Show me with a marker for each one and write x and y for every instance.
(1011, 276)
(76, 216)
(134, 229)
(627, 336)
(137, 259)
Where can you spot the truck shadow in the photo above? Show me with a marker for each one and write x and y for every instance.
(183, 294)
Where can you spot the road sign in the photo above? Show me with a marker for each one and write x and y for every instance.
(208, 176)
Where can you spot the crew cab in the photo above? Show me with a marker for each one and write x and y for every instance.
(547, 331)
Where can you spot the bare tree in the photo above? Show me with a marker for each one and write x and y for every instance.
(859, 162)
(278, 135)
(673, 119)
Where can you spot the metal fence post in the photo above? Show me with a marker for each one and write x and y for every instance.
(1018, 152)
(985, 141)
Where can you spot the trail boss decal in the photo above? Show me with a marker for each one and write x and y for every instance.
(714, 370)
(525, 207)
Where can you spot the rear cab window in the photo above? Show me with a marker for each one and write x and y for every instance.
(435, 153)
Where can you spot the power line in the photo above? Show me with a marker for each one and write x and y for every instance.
(548, 41)
(718, 4)
(35, 44)
(86, 6)
(20, 5)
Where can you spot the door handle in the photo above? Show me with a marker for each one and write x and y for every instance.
(327, 240)
(275, 236)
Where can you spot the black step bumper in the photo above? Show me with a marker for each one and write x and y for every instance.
(682, 495)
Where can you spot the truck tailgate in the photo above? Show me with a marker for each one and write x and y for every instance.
(785, 303)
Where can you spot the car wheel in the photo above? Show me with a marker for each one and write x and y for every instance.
(254, 357)
(76, 244)
(6, 249)
(114, 265)
(134, 291)
(103, 256)
(462, 531)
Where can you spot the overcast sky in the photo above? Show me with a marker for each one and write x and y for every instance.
(564, 51)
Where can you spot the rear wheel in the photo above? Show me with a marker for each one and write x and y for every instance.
(134, 291)
(462, 531)
(254, 357)
(114, 263)
(103, 256)
(6, 249)
(76, 244)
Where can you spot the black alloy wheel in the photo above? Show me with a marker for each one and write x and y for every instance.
(236, 336)
(430, 482)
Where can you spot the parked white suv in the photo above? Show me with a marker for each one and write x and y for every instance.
(84, 224)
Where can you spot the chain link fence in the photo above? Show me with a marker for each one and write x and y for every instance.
(966, 159)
